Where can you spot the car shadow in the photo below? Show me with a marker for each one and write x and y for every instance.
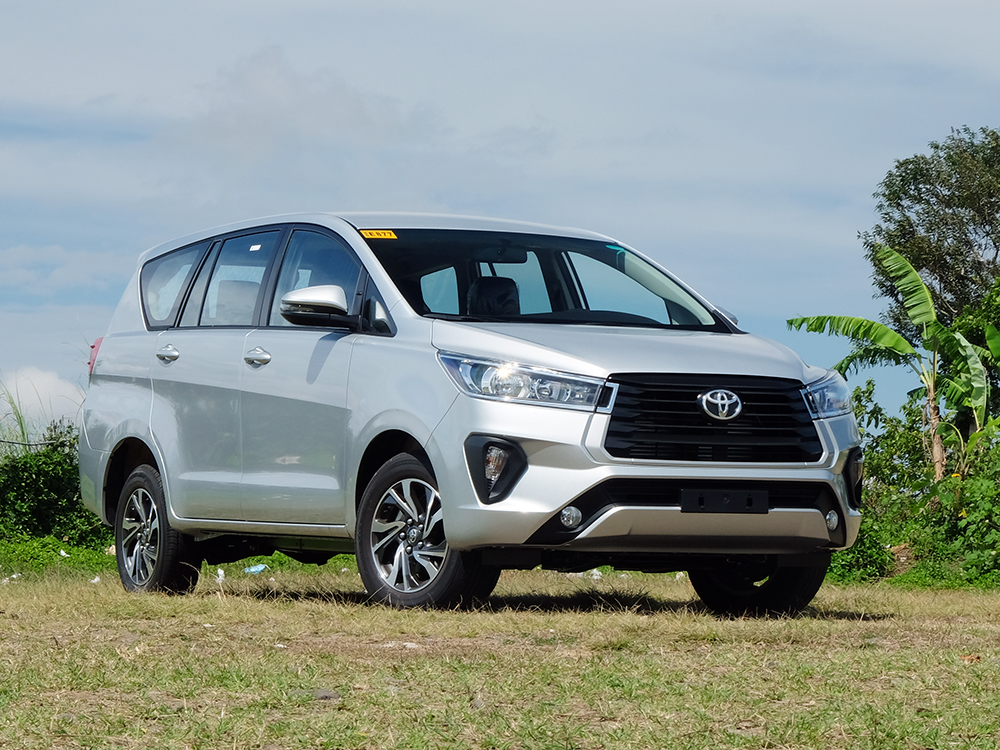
(579, 601)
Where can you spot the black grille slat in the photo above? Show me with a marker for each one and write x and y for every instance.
(657, 417)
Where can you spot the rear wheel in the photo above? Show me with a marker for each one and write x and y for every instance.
(737, 589)
(403, 553)
(151, 555)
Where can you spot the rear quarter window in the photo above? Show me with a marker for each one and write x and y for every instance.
(163, 282)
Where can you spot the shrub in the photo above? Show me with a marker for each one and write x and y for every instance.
(870, 557)
(40, 494)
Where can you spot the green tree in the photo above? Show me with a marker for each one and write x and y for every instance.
(941, 211)
(875, 343)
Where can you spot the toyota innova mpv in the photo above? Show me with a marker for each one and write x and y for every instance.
(448, 397)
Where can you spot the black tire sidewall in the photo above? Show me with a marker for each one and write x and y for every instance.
(458, 574)
(172, 572)
(786, 592)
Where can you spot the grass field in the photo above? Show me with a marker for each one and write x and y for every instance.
(302, 661)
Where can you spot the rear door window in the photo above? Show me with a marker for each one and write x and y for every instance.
(234, 287)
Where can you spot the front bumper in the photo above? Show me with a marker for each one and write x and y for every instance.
(562, 472)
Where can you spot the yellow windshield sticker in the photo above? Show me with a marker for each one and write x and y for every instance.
(378, 234)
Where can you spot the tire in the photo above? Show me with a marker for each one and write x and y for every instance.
(745, 590)
(403, 554)
(151, 555)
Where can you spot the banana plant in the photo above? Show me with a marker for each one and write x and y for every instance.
(877, 344)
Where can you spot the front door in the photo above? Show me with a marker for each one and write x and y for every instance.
(294, 395)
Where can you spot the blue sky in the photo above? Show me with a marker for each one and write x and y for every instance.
(737, 143)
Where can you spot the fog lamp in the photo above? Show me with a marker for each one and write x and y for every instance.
(494, 463)
(570, 517)
(832, 520)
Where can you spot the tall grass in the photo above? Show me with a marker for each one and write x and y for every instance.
(18, 433)
(15, 430)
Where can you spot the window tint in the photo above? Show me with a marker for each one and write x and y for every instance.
(534, 298)
(373, 313)
(440, 291)
(616, 291)
(509, 276)
(235, 284)
(164, 280)
(192, 309)
(314, 259)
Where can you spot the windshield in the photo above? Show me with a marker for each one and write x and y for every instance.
(512, 277)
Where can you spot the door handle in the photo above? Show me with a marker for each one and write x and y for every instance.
(257, 356)
(167, 354)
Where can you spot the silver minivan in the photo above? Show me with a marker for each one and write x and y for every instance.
(447, 397)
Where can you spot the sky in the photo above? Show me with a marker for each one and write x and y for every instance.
(737, 143)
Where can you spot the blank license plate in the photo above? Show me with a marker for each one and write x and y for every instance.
(723, 501)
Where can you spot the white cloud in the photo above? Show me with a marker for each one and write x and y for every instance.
(47, 271)
(40, 395)
(52, 337)
(261, 112)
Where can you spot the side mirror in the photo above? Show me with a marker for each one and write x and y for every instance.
(315, 306)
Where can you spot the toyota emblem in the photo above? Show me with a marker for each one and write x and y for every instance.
(721, 404)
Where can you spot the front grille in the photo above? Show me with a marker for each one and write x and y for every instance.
(658, 417)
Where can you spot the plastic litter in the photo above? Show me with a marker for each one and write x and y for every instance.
(95, 579)
(255, 569)
(63, 553)
(220, 575)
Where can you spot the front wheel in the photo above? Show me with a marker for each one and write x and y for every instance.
(403, 553)
(151, 555)
(736, 589)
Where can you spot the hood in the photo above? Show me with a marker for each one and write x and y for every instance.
(600, 351)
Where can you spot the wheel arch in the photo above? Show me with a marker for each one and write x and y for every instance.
(127, 455)
(383, 447)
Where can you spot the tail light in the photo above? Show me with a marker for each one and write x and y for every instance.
(94, 348)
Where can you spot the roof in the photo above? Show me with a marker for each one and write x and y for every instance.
(381, 220)
(385, 220)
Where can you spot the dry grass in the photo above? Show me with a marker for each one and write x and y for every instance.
(555, 662)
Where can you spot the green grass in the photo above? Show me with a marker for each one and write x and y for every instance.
(302, 661)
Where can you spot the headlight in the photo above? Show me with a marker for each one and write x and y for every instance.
(507, 381)
(829, 397)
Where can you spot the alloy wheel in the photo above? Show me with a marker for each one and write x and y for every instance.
(408, 544)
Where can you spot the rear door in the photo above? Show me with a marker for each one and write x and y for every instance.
(196, 374)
